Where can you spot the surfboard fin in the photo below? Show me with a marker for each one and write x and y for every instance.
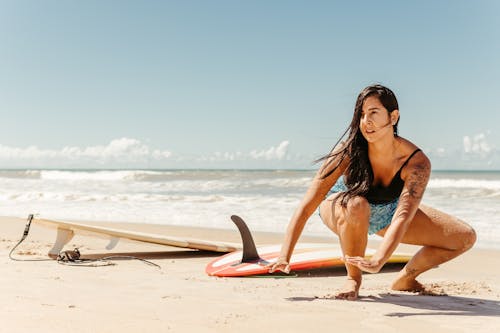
(250, 253)
(62, 238)
(112, 243)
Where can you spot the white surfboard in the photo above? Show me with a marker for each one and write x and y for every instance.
(66, 231)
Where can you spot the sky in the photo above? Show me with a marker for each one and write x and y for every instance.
(241, 84)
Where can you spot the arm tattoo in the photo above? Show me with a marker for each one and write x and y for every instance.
(417, 181)
(415, 186)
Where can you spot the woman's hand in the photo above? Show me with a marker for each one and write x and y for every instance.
(367, 265)
(280, 265)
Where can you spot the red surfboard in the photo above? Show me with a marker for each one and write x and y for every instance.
(253, 261)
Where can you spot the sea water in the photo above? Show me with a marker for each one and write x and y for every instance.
(266, 199)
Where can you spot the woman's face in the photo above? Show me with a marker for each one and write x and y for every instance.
(375, 119)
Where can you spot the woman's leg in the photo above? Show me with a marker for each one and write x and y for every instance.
(351, 225)
(443, 237)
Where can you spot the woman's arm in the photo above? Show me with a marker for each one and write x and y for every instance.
(415, 176)
(312, 199)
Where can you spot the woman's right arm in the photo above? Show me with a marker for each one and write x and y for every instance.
(312, 199)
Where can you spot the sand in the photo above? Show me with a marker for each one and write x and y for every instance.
(132, 296)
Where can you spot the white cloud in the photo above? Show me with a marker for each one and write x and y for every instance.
(474, 152)
(159, 154)
(467, 144)
(132, 153)
(477, 145)
(441, 151)
(123, 150)
(273, 153)
(116, 149)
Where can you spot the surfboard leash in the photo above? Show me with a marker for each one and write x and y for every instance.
(73, 257)
(25, 234)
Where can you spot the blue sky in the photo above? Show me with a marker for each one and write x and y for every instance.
(232, 84)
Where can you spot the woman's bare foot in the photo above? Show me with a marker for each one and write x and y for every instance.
(405, 283)
(350, 290)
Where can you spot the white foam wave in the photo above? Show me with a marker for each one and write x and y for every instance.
(26, 174)
(61, 197)
(112, 175)
(217, 179)
(464, 183)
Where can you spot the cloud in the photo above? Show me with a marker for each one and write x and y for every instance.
(475, 152)
(123, 150)
(477, 145)
(116, 149)
(132, 153)
(273, 153)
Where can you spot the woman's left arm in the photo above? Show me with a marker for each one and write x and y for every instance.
(415, 176)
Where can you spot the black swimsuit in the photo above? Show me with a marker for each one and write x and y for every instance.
(379, 194)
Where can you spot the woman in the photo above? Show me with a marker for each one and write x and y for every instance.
(373, 183)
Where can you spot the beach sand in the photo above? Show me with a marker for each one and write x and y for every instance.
(132, 296)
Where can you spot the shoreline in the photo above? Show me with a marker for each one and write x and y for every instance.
(131, 296)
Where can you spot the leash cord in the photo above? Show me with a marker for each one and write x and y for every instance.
(72, 258)
(25, 234)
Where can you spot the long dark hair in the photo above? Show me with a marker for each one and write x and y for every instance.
(359, 174)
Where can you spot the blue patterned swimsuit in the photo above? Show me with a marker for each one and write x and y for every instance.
(383, 200)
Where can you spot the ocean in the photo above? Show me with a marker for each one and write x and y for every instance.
(266, 199)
